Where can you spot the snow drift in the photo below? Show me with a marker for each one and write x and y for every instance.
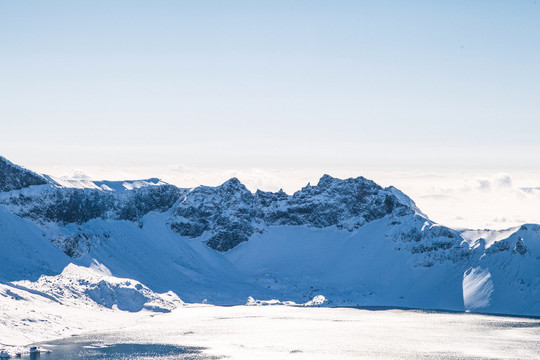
(78, 285)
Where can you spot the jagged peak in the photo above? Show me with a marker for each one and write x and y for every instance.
(328, 180)
(229, 188)
(234, 184)
(234, 181)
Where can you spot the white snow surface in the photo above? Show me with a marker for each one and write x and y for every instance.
(375, 265)
(84, 182)
(489, 236)
(477, 288)
(80, 285)
(77, 300)
(292, 332)
(28, 315)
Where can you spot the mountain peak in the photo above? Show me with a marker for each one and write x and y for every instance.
(233, 184)
(234, 214)
(328, 180)
(15, 177)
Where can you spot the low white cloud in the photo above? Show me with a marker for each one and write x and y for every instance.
(494, 182)
(483, 185)
(503, 180)
(478, 201)
(78, 175)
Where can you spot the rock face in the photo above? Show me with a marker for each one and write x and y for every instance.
(62, 206)
(230, 214)
(226, 212)
(13, 177)
(224, 216)
(77, 206)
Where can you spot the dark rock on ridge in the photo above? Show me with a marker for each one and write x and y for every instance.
(229, 214)
(13, 177)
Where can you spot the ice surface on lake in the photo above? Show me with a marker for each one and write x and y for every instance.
(294, 332)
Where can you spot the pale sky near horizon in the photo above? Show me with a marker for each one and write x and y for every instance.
(296, 88)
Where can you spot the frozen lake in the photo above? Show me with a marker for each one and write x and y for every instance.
(285, 332)
(92, 348)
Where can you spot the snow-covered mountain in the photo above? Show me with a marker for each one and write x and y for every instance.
(352, 241)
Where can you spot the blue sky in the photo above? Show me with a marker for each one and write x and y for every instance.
(284, 84)
(437, 98)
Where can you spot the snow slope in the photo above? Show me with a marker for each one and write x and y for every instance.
(26, 251)
(369, 267)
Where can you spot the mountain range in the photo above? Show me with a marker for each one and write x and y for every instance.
(340, 242)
